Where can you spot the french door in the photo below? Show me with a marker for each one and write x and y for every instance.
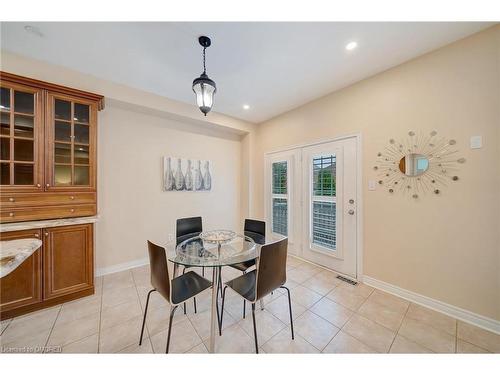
(311, 191)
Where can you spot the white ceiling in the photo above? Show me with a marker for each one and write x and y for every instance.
(273, 67)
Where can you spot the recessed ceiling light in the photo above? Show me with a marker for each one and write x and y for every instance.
(246, 106)
(33, 30)
(351, 45)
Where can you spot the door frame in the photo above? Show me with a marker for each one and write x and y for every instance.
(359, 192)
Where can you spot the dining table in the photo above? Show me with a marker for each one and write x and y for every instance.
(201, 251)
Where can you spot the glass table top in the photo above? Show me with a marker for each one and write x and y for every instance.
(196, 252)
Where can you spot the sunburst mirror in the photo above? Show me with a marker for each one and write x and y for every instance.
(418, 164)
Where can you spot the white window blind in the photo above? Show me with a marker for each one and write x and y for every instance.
(280, 197)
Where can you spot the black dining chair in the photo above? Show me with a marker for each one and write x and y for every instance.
(256, 230)
(175, 291)
(187, 228)
(269, 275)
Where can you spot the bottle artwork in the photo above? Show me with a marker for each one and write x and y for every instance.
(179, 177)
(169, 176)
(188, 175)
(207, 179)
(198, 178)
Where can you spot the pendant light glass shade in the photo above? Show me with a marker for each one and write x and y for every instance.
(204, 88)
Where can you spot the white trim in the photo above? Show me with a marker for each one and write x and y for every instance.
(121, 267)
(433, 304)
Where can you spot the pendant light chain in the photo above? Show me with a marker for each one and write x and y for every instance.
(204, 67)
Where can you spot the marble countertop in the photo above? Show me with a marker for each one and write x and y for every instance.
(10, 227)
(15, 252)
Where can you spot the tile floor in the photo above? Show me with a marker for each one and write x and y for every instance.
(330, 316)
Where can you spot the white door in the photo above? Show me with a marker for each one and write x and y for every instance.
(329, 205)
(311, 195)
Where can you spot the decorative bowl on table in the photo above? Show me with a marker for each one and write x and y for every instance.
(218, 236)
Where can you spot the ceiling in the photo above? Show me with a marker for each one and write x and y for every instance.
(270, 66)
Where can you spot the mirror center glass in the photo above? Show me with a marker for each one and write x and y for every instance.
(414, 164)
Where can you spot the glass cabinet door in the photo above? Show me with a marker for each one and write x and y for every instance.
(20, 136)
(71, 144)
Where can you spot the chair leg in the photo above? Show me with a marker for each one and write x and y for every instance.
(145, 312)
(194, 303)
(290, 309)
(244, 303)
(172, 311)
(255, 329)
(184, 308)
(222, 310)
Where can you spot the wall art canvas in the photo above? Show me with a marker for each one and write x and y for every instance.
(180, 174)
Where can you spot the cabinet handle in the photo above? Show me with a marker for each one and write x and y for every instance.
(48, 185)
(38, 186)
(72, 210)
(37, 235)
(11, 214)
(72, 197)
(12, 200)
(46, 234)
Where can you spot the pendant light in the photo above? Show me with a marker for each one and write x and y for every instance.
(204, 87)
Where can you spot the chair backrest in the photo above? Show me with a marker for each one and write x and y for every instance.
(271, 267)
(256, 230)
(188, 227)
(159, 270)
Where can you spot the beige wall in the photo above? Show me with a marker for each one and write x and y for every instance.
(445, 247)
(132, 205)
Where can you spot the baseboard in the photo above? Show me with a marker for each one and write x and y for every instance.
(433, 304)
(121, 267)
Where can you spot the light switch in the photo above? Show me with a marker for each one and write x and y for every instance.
(476, 141)
(372, 185)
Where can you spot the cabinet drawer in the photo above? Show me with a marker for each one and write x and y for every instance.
(16, 200)
(44, 213)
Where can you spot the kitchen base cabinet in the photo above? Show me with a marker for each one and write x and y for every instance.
(60, 271)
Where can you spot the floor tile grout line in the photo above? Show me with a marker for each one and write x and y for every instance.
(399, 327)
(52, 328)
(100, 317)
(142, 312)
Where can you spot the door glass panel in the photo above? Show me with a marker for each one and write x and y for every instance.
(82, 175)
(81, 154)
(23, 174)
(5, 148)
(62, 110)
(62, 175)
(62, 153)
(23, 126)
(5, 123)
(323, 225)
(5, 173)
(62, 131)
(82, 133)
(24, 102)
(280, 216)
(81, 113)
(5, 99)
(324, 169)
(23, 150)
(279, 177)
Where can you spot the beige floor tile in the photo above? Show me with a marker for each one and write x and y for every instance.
(183, 338)
(290, 284)
(135, 348)
(389, 300)
(202, 320)
(155, 300)
(333, 312)
(157, 319)
(267, 326)
(346, 298)
(304, 296)
(359, 289)
(113, 297)
(3, 324)
(315, 329)
(344, 343)
(87, 345)
(432, 318)
(403, 345)
(31, 324)
(234, 306)
(80, 308)
(297, 275)
(279, 308)
(293, 262)
(308, 268)
(382, 314)
(330, 276)
(370, 333)
(320, 286)
(118, 280)
(26, 342)
(427, 336)
(479, 337)
(65, 333)
(116, 338)
(118, 314)
(283, 343)
(465, 347)
(199, 349)
(233, 340)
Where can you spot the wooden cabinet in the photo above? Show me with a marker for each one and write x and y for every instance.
(68, 260)
(48, 145)
(23, 286)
